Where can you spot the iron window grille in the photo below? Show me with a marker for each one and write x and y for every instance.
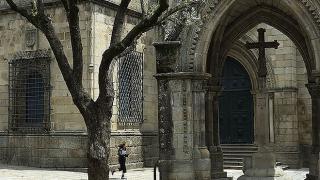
(130, 75)
(29, 92)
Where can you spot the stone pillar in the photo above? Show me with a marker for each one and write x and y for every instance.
(314, 90)
(183, 154)
(262, 165)
(261, 134)
(212, 132)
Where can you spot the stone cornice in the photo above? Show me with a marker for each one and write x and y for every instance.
(183, 75)
(81, 133)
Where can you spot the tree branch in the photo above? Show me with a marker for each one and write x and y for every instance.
(72, 12)
(119, 21)
(21, 11)
(117, 48)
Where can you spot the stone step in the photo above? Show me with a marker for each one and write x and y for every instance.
(233, 154)
(234, 163)
(239, 152)
(241, 155)
(233, 167)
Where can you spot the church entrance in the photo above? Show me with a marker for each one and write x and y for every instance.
(235, 105)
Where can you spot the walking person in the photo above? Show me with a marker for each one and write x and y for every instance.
(122, 154)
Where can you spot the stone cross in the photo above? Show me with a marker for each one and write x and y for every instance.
(261, 46)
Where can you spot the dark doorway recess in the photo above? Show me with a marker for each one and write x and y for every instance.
(236, 105)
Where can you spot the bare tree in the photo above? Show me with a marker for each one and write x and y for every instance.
(96, 113)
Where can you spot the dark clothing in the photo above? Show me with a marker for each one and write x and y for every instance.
(122, 153)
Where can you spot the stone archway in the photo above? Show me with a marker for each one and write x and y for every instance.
(232, 25)
(211, 39)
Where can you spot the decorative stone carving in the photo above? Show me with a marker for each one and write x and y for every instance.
(31, 37)
(165, 121)
(167, 54)
(313, 9)
(38, 54)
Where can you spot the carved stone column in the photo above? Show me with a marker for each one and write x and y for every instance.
(212, 132)
(183, 154)
(314, 90)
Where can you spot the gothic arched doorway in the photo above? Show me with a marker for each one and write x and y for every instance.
(236, 105)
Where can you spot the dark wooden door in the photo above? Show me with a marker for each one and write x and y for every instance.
(235, 105)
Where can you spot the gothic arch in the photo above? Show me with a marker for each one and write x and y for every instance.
(220, 24)
(248, 61)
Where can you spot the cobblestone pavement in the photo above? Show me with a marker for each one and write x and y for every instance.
(29, 173)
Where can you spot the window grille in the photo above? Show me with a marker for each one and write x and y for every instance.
(130, 75)
(29, 92)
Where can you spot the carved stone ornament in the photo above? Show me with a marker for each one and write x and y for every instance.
(167, 54)
(165, 121)
(31, 37)
(38, 54)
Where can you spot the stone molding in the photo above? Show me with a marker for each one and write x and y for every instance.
(80, 133)
(313, 9)
(38, 54)
(184, 75)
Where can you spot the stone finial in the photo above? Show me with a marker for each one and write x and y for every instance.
(167, 54)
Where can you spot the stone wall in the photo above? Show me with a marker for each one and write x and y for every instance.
(286, 127)
(68, 150)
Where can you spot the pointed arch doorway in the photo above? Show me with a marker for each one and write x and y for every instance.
(236, 118)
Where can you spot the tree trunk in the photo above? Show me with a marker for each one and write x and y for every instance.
(99, 145)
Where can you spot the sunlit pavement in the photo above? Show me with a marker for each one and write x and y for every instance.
(29, 173)
(296, 174)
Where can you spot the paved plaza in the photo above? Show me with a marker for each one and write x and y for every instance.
(29, 173)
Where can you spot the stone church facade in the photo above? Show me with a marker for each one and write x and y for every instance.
(206, 93)
(60, 141)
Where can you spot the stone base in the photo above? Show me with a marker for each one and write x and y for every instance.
(285, 177)
(265, 174)
(176, 170)
(311, 177)
(202, 169)
(227, 178)
(219, 175)
(313, 167)
(216, 156)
